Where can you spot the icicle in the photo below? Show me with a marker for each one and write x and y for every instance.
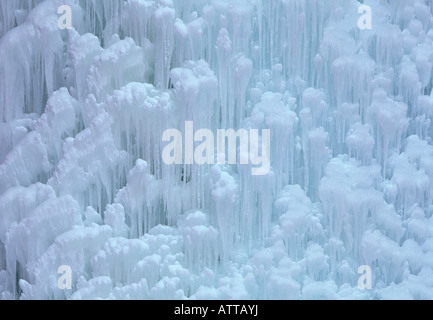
(360, 143)
(83, 111)
(348, 196)
(225, 195)
(388, 119)
(200, 241)
(271, 113)
(163, 37)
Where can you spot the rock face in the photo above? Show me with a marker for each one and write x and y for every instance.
(84, 184)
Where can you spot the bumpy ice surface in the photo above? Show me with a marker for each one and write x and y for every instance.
(83, 184)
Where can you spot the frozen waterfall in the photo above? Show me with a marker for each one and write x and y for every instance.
(84, 183)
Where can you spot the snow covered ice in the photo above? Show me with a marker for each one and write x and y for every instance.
(83, 182)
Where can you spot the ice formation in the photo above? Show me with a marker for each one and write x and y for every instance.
(83, 183)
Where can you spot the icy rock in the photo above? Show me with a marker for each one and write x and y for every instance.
(419, 227)
(272, 113)
(95, 289)
(50, 219)
(71, 249)
(320, 291)
(126, 56)
(141, 198)
(316, 260)
(141, 116)
(82, 51)
(163, 19)
(27, 199)
(135, 291)
(389, 122)
(348, 196)
(114, 217)
(82, 182)
(117, 258)
(195, 85)
(89, 164)
(383, 254)
(297, 223)
(225, 195)
(413, 184)
(360, 143)
(11, 10)
(34, 45)
(200, 240)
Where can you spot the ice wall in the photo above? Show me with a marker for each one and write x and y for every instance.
(83, 182)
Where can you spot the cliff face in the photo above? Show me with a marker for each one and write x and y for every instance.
(86, 114)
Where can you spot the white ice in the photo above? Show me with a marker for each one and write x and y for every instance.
(83, 183)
